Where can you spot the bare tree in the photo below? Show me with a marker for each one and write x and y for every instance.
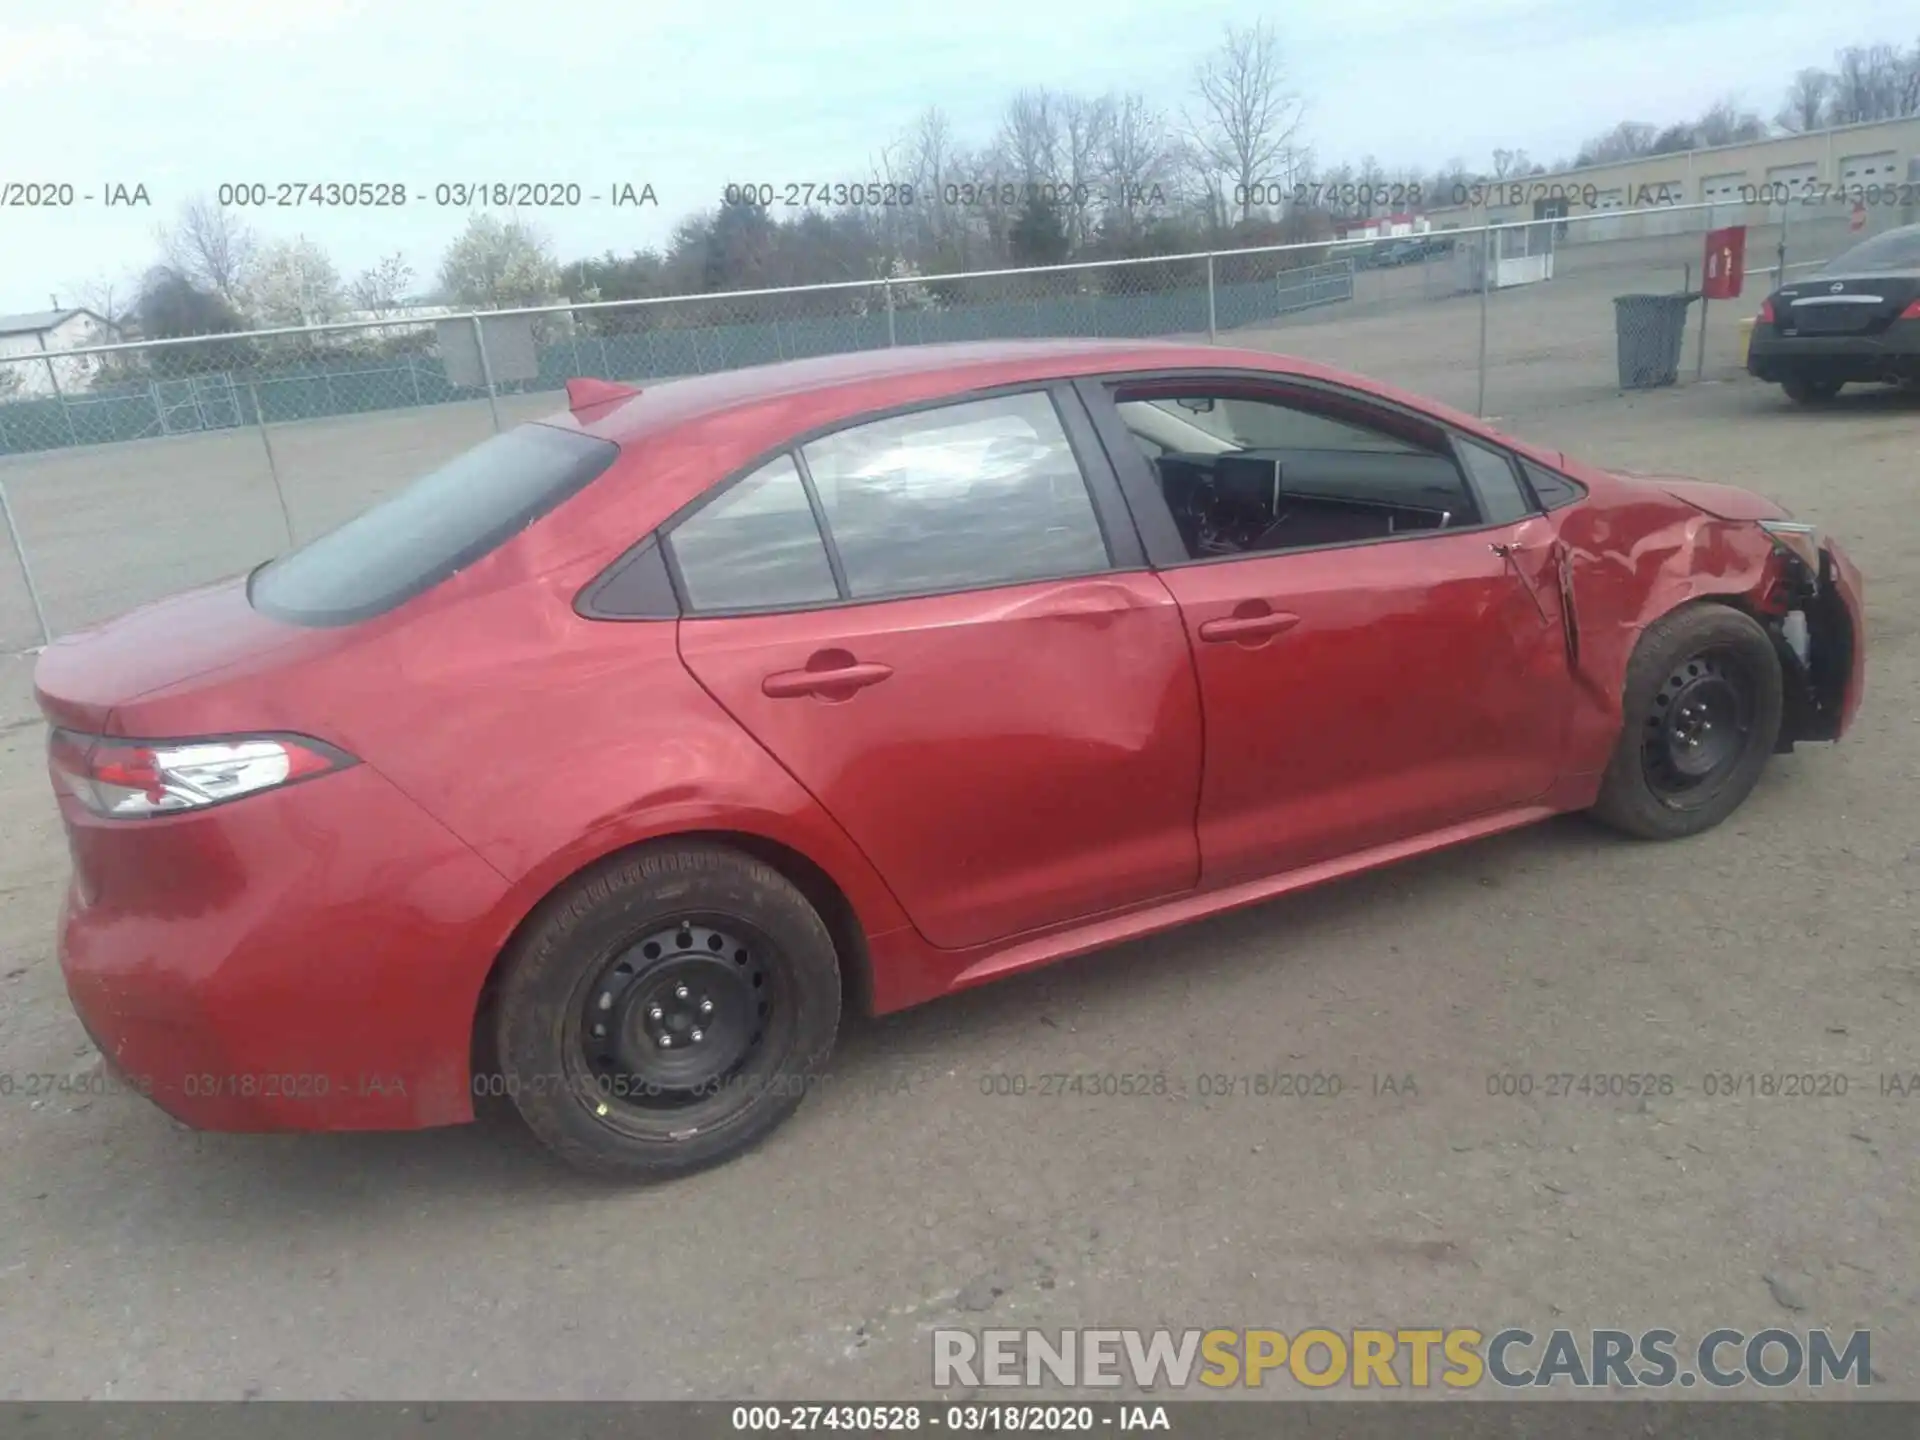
(1031, 139)
(1872, 82)
(1509, 163)
(1725, 123)
(1247, 117)
(1336, 191)
(984, 224)
(1370, 194)
(1202, 186)
(381, 288)
(1136, 162)
(1676, 138)
(211, 246)
(1083, 126)
(1450, 184)
(114, 301)
(923, 159)
(1805, 107)
(1625, 141)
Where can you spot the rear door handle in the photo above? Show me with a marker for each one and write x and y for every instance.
(1247, 627)
(848, 678)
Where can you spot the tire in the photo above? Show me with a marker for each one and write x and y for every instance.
(1701, 667)
(1811, 392)
(657, 947)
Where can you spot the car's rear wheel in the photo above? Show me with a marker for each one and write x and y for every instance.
(1805, 391)
(1700, 714)
(666, 1010)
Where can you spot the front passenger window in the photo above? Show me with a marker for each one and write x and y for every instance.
(1253, 473)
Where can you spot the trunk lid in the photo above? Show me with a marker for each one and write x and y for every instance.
(206, 635)
(1864, 304)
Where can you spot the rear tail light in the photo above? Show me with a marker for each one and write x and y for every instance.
(1765, 317)
(133, 779)
(1912, 312)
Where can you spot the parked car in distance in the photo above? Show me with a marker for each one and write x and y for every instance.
(605, 765)
(1856, 318)
(1400, 250)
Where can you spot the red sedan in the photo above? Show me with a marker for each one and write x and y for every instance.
(628, 747)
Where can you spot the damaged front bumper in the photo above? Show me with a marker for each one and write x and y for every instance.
(1815, 612)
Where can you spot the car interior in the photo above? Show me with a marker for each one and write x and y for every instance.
(1246, 475)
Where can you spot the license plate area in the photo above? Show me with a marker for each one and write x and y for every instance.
(1832, 319)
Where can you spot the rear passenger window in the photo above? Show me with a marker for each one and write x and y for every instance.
(986, 492)
(1552, 490)
(1502, 501)
(756, 545)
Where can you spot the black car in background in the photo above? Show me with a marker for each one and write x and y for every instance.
(1857, 318)
(1401, 250)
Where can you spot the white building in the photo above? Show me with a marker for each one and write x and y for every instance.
(45, 333)
(1821, 174)
(410, 317)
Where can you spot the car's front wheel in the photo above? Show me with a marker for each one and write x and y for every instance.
(666, 1010)
(1804, 391)
(1700, 715)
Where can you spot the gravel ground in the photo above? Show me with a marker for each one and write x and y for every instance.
(139, 1260)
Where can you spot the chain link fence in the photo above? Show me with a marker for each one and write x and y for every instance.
(129, 471)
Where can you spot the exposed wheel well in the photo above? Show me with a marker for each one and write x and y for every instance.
(1813, 696)
(826, 897)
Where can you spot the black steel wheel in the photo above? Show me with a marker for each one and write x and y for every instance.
(672, 1019)
(1696, 730)
(666, 1011)
(1700, 713)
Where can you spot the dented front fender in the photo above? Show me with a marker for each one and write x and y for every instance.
(1629, 565)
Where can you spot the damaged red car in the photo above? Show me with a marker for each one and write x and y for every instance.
(607, 765)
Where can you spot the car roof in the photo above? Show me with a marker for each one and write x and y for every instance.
(835, 384)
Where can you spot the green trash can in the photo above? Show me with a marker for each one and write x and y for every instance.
(1649, 329)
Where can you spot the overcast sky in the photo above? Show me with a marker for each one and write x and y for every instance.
(180, 95)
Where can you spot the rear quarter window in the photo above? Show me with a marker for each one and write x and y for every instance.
(1551, 489)
(437, 526)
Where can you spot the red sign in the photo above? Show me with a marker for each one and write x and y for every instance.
(1725, 264)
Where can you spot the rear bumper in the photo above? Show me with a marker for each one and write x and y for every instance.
(1894, 353)
(307, 959)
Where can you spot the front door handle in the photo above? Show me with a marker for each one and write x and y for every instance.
(837, 683)
(1247, 627)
